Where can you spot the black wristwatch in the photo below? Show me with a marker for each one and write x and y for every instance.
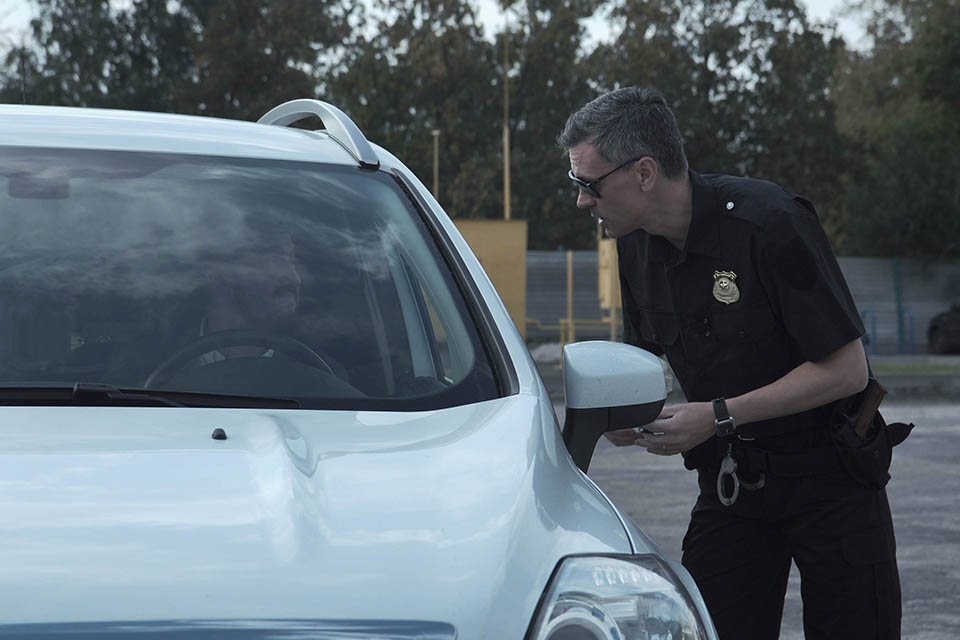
(724, 423)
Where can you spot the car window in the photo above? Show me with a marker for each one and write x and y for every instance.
(233, 276)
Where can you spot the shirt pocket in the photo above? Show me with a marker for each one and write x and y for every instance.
(659, 327)
(735, 336)
(743, 325)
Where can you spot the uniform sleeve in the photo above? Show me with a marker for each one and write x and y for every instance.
(631, 318)
(804, 283)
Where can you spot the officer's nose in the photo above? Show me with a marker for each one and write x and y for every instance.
(585, 200)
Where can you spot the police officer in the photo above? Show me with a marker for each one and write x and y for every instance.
(733, 279)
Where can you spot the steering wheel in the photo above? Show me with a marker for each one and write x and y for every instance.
(286, 345)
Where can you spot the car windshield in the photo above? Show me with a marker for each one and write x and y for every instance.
(228, 276)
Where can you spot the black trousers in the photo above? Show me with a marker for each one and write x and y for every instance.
(839, 534)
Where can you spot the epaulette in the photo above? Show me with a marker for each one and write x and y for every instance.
(751, 200)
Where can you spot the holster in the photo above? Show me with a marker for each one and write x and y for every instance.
(863, 440)
(868, 465)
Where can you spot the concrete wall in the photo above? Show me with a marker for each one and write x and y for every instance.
(924, 291)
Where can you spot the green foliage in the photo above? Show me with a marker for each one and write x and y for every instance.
(232, 58)
(87, 54)
(899, 103)
(426, 66)
(549, 77)
(251, 55)
(749, 81)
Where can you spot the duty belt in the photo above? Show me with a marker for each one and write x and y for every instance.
(787, 465)
(805, 462)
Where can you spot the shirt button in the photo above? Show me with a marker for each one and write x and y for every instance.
(708, 334)
(729, 206)
(706, 321)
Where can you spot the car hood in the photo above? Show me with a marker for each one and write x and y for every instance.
(457, 515)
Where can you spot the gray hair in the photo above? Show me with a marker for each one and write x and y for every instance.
(628, 123)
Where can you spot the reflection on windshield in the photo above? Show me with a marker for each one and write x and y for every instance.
(227, 276)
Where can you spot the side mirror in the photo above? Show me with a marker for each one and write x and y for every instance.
(607, 386)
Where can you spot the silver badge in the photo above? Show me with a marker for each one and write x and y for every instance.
(725, 287)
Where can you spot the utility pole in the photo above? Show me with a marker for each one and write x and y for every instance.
(23, 76)
(506, 118)
(436, 163)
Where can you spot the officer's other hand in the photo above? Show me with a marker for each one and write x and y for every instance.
(622, 437)
(678, 429)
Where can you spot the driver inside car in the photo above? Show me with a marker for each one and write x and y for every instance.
(240, 332)
(259, 290)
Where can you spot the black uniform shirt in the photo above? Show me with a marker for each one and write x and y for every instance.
(755, 292)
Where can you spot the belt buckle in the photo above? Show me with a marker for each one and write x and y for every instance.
(728, 468)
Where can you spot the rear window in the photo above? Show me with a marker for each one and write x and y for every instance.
(228, 276)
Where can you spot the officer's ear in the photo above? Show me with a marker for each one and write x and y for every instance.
(646, 172)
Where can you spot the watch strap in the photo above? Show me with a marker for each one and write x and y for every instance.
(723, 422)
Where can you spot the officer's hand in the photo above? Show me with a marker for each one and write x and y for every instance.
(622, 437)
(678, 429)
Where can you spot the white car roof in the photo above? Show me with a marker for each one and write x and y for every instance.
(83, 128)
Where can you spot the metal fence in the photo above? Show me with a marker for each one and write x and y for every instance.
(896, 298)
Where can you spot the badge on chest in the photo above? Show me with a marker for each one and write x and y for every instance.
(725, 287)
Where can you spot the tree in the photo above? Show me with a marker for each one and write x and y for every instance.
(153, 59)
(86, 53)
(250, 55)
(749, 81)
(426, 66)
(232, 58)
(549, 79)
(75, 55)
(899, 102)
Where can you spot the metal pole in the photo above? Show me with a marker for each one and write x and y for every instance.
(614, 319)
(506, 121)
(898, 298)
(572, 335)
(436, 163)
(23, 77)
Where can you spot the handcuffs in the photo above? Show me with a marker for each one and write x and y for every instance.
(726, 427)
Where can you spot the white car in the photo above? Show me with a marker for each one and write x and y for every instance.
(254, 384)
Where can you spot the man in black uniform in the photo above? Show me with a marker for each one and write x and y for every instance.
(733, 279)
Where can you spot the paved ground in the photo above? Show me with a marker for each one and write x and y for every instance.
(924, 494)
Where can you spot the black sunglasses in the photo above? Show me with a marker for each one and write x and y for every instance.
(590, 186)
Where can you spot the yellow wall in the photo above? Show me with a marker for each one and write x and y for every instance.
(501, 246)
(608, 284)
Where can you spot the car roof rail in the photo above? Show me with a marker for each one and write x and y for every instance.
(338, 125)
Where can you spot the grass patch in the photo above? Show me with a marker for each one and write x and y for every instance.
(917, 369)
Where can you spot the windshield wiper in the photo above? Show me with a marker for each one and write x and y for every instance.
(96, 394)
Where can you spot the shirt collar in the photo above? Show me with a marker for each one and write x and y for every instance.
(703, 236)
(658, 248)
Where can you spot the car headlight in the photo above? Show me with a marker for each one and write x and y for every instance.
(616, 598)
